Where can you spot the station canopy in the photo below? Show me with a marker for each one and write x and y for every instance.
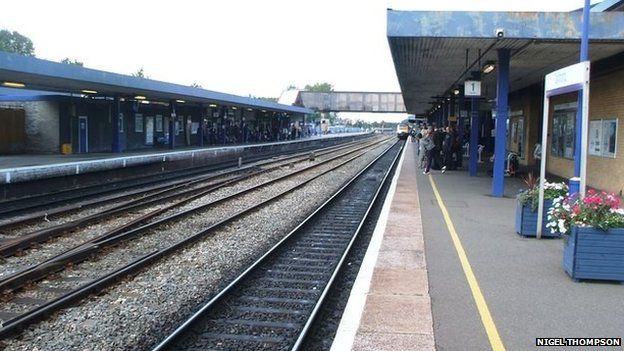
(36, 74)
(435, 52)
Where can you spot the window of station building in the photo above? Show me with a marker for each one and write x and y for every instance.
(603, 137)
(159, 123)
(177, 127)
(563, 132)
(138, 123)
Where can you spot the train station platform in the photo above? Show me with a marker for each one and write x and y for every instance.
(445, 270)
(29, 167)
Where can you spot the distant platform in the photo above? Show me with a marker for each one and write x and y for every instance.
(29, 167)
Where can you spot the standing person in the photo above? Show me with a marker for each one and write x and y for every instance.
(429, 148)
(421, 150)
(446, 149)
(438, 140)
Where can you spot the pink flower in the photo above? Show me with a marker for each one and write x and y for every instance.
(576, 209)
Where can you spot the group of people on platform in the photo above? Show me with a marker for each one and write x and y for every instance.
(232, 133)
(438, 148)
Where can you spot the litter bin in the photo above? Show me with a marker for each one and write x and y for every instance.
(66, 149)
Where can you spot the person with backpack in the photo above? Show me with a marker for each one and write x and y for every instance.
(429, 147)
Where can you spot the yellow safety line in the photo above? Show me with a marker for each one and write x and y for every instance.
(484, 311)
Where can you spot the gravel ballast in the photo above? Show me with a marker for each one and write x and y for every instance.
(65, 242)
(137, 313)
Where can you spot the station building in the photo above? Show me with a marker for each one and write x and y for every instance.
(49, 107)
(508, 54)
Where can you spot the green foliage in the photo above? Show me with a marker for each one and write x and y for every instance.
(194, 85)
(319, 87)
(140, 73)
(16, 43)
(530, 196)
(291, 87)
(68, 61)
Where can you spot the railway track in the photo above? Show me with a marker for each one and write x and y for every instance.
(65, 286)
(41, 205)
(273, 303)
(142, 220)
(171, 199)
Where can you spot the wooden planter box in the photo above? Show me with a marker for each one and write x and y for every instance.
(526, 221)
(591, 253)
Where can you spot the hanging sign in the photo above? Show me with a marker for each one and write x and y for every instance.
(472, 88)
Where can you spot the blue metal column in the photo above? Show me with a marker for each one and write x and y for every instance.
(172, 125)
(452, 108)
(460, 122)
(575, 181)
(440, 116)
(200, 132)
(474, 137)
(116, 120)
(502, 91)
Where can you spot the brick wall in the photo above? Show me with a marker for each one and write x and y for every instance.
(606, 102)
(42, 126)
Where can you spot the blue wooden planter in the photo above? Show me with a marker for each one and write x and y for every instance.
(526, 221)
(591, 253)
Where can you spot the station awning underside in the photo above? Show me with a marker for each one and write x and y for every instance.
(434, 52)
(37, 74)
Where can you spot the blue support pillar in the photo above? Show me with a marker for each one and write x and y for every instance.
(575, 181)
(460, 123)
(452, 108)
(474, 137)
(200, 132)
(440, 115)
(502, 91)
(172, 126)
(117, 125)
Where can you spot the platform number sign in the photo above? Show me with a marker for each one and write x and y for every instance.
(472, 88)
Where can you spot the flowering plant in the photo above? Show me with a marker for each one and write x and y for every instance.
(600, 210)
(530, 196)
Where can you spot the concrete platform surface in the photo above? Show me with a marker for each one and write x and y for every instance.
(413, 292)
(389, 307)
(28, 167)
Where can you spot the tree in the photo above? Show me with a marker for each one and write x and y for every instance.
(291, 87)
(16, 43)
(195, 85)
(319, 87)
(72, 62)
(140, 73)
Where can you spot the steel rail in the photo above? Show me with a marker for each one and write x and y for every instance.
(12, 205)
(173, 185)
(40, 312)
(220, 295)
(11, 246)
(80, 252)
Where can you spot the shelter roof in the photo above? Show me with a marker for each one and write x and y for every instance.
(434, 52)
(38, 74)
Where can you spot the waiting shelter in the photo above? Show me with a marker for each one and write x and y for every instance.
(480, 70)
(48, 107)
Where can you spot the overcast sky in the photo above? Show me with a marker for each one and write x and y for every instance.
(243, 47)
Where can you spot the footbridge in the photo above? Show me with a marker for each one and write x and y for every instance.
(343, 101)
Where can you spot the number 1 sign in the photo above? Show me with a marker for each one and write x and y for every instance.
(472, 88)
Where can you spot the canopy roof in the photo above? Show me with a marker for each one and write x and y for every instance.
(46, 75)
(434, 52)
